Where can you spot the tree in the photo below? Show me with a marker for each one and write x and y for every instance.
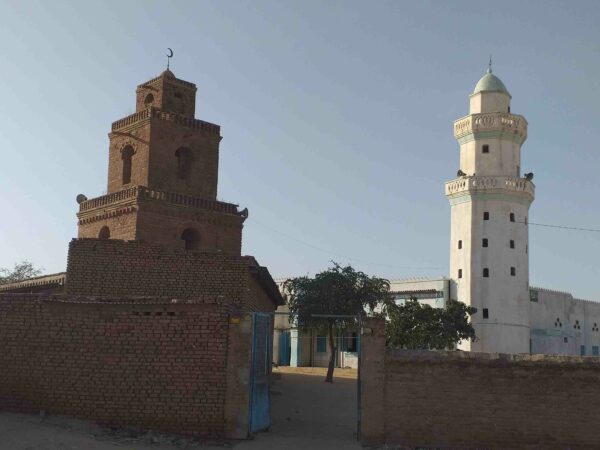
(21, 271)
(337, 291)
(417, 326)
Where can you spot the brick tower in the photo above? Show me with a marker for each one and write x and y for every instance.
(162, 176)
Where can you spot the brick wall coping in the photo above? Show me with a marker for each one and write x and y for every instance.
(156, 113)
(57, 279)
(144, 193)
(493, 359)
(99, 300)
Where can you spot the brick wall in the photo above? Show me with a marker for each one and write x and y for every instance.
(476, 400)
(139, 362)
(114, 267)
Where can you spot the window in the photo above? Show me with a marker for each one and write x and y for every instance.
(513, 271)
(582, 350)
(518, 171)
(486, 313)
(526, 248)
(459, 245)
(484, 242)
(321, 344)
(595, 351)
(509, 108)
(459, 273)
(127, 156)
(486, 215)
(184, 162)
(533, 296)
(485, 148)
(512, 217)
(486, 273)
(566, 339)
(191, 237)
(512, 243)
(104, 233)
(351, 342)
(149, 99)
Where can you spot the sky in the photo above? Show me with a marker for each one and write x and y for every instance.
(336, 120)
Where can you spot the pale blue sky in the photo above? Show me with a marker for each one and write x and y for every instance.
(336, 117)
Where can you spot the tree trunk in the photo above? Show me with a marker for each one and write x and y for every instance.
(329, 378)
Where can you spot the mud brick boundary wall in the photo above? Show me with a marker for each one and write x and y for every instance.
(145, 363)
(476, 400)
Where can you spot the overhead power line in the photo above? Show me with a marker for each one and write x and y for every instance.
(564, 227)
(332, 253)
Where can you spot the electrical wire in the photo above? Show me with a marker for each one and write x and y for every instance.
(329, 252)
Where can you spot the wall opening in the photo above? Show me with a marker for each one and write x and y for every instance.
(191, 237)
(486, 313)
(459, 273)
(484, 242)
(127, 156)
(104, 233)
(459, 245)
(512, 243)
(485, 148)
(486, 273)
(486, 215)
(149, 100)
(512, 217)
(184, 162)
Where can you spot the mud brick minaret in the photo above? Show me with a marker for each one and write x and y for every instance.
(162, 176)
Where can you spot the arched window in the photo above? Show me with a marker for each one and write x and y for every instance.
(184, 162)
(149, 100)
(104, 233)
(191, 237)
(126, 156)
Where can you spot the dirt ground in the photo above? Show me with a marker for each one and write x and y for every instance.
(306, 413)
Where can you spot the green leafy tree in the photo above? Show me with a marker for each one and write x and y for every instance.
(417, 326)
(21, 271)
(337, 291)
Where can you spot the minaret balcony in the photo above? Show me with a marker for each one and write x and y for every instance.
(491, 125)
(467, 185)
(143, 117)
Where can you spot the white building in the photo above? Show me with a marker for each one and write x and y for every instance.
(489, 246)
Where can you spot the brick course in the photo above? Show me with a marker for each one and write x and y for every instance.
(477, 400)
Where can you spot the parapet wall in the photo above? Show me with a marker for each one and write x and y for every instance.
(144, 362)
(129, 268)
(476, 400)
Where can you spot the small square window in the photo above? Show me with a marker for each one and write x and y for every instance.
(486, 215)
(484, 242)
(512, 243)
(485, 148)
(486, 273)
(512, 217)
(459, 273)
(486, 314)
(459, 245)
(513, 271)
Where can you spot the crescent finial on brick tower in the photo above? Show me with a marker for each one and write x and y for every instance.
(169, 56)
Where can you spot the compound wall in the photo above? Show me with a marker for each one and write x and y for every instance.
(476, 400)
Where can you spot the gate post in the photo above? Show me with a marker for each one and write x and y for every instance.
(239, 360)
(372, 380)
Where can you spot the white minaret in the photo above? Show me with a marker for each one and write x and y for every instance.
(489, 200)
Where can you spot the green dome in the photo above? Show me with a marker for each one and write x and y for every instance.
(490, 82)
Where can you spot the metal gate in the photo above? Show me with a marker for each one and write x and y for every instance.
(262, 347)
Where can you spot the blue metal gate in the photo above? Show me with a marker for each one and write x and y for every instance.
(262, 348)
(284, 349)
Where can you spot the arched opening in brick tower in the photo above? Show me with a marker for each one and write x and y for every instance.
(148, 100)
(127, 156)
(184, 162)
(191, 237)
(104, 233)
